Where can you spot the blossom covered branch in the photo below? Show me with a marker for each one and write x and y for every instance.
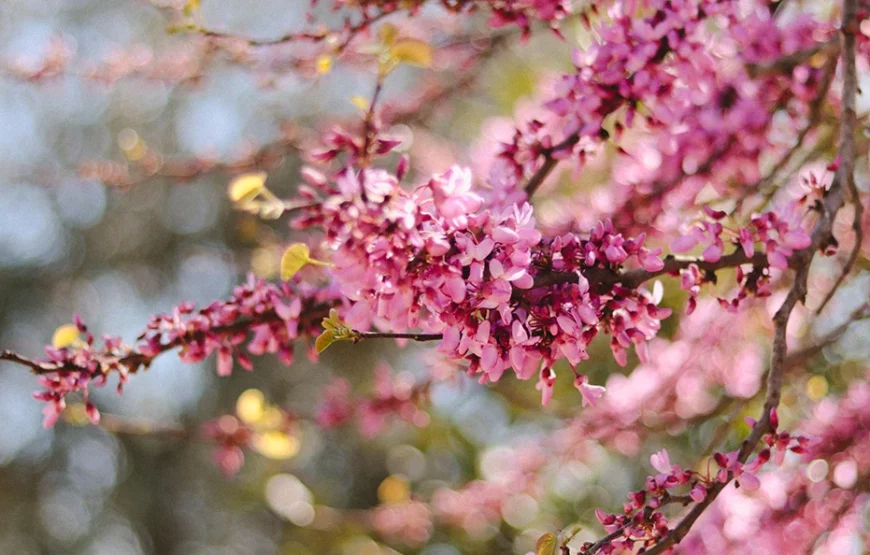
(821, 237)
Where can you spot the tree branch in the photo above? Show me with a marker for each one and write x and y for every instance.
(134, 359)
(415, 336)
(821, 236)
(550, 163)
(635, 278)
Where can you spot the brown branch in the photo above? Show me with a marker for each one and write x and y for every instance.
(126, 174)
(421, 110)
(134, 359)
(15, 358)
(370, 127)
(667, 499)
(313, 37)
(788, 62)
(634, 278)
(821, 236)
(550, 162)
(599, 276)
(415, 336)
(152, 165)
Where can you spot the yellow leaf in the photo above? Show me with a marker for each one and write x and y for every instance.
(271, 419)
(75, 414)
(65, 336)
(412, 51)
(180, 28)
(250, 406)
(245, 188)
(276, 445)
(388, 33)
(394, 489)
(324, 64)
(546, 545)
(190, 7)
(324, 340)
(295, 258)
(264, 262)
(360, 103)
(817, 387)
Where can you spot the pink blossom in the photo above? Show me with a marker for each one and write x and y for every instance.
(661, 462)
(589, 392)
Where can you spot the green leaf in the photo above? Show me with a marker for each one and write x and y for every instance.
(296, 257)
(324, 340)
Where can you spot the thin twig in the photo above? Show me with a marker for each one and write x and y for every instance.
(302, 36)
(385, 335)
(550, 162)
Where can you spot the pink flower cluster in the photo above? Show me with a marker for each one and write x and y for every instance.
(392, 396)
(273, 313)
(481, 504)
(642, 522)
(91, 369)
(708, 121)
(409, 522)
(811, 504)
(630, 66)
(232, 436)
(687, 377)
(720, 129)
(433, 258)
(268, 318)
(779, 232)
(780, 235)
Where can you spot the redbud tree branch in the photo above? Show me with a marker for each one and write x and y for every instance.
(387, 335)
(635, 278)
(135, 359)
(822, 235)
(597, 277)
(784, 64)
(667, 500)
(350, 32)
